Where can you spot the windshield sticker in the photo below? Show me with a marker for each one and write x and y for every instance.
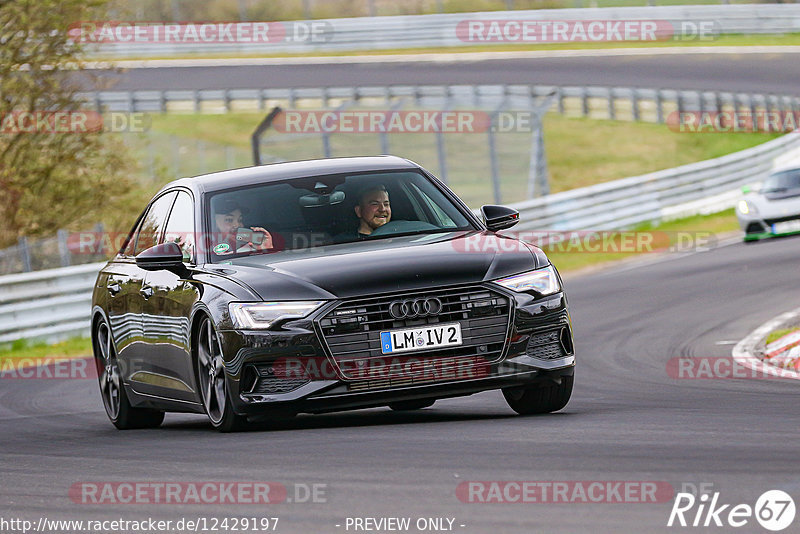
(221, 248)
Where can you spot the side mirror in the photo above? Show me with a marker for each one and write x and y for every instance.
(499, 217)
(165, 256)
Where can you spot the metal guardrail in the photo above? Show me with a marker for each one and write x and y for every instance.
(440, 30)
(703, 187)
(616, 103)
(54, 304)
(51, 304)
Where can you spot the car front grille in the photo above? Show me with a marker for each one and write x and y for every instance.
(266, 381)
(550, 345)
(352, 331)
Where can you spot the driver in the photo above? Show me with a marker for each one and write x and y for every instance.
(373, 211)
(228, 218)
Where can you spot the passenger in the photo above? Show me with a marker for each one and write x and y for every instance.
(228, 218)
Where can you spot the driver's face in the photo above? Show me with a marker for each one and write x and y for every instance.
(374, 210)
(229, 222)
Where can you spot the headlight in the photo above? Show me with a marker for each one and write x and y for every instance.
(746, 207)
(543, 281)
(260, 315)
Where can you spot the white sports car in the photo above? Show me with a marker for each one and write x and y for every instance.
(773, 209)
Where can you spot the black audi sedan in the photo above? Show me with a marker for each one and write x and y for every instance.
(326, 285)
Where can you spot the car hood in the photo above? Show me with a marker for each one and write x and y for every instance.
(775, 205)
(384, 265)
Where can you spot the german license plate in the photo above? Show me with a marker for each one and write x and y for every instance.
(421, 338)
(786, 227)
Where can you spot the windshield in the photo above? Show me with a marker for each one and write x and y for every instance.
(782, 181)
(327, 210)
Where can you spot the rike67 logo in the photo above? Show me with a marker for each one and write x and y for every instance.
(774, 510)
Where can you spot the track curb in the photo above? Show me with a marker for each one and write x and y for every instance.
(744, 351)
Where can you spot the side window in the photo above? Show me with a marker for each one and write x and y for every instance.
(180, 228)
(129, 248)
(443, 220)
(153, 223)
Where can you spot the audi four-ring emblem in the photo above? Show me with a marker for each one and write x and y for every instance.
(411, 308)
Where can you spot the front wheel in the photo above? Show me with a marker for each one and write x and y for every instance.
(540, 398)
(118, 407)
(212, 383)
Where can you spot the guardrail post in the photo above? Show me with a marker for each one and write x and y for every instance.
(612, 113)
(63, 250)
(635, 104)
(196, 100)
(659, 107)
(560, 95)
(226, 99)
(131, 102)
(679, 101)
(585, 101)
(24, 254)
(752, 105)
(162, 101)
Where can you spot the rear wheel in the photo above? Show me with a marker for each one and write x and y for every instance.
(541, 398)
(404, 406)
(211, 380)
(115, 401)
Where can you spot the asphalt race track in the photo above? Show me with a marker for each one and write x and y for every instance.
(758, 73)
(628, 421)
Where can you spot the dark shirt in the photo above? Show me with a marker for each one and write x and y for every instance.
(354, 235)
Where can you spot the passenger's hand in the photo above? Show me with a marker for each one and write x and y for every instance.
(266, 244)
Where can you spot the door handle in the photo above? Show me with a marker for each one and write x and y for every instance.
(114, 289)
(146, 292)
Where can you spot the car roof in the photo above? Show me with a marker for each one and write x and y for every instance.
(288, 170)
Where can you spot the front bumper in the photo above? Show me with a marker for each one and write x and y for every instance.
(257, 358)
(756, 227)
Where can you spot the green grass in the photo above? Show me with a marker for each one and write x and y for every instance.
(777, 334)
(70, 348)
(679, 234)
(790, 39)
(580, 151)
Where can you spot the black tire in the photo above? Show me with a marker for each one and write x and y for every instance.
(115, 400)
(405, 406)
(211, 380)
(540, 399)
